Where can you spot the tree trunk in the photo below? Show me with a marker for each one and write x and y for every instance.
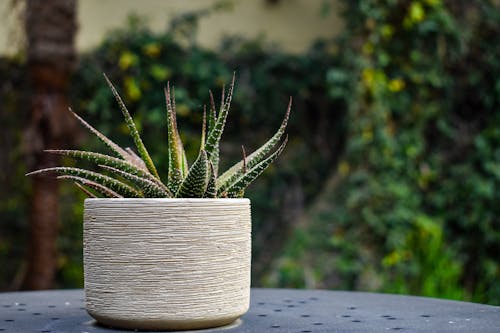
(50, 29)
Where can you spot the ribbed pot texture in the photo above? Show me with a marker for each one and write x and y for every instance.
(167, 264)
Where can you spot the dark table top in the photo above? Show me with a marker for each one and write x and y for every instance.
(271, 310)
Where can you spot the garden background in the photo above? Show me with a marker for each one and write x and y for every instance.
(390, 180)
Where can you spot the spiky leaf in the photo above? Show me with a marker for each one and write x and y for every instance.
(133, 131)
(203, 129)
(212, 114)
(135, 160)
(84, 190)
(233, 173)
(148, 188)
(175, 155)
(109, 161)
(212, 144)
(106, 192)
(126, 154)
(180, 146)
(110, 144)
(235, 189)
(211, 191)
(111, 183)
(195, 184)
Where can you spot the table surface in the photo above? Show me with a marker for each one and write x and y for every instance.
(271, 310)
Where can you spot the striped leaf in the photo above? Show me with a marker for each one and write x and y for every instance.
(240, 194)
(235, 172)
(133, 131)
(211, 191)
(109, 161)
(110, 144)
(212, 144)
(81, 182)
(212, 113)
(84, 190)
(148, 188)
(175, 155)
(195, 184)
(126, 154)
(235, 189)
(111, 183)
(135, 160)
(180, 146)
(203, 129)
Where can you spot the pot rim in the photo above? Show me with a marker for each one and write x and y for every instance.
(194, 200)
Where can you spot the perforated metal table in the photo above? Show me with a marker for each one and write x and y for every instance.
(271, 310)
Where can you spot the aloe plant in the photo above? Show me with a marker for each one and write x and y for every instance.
(130, 174)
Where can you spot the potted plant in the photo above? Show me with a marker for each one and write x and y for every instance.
(174, 254)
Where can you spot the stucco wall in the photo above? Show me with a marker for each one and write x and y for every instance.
(293, 24)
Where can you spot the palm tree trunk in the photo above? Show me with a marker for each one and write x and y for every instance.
(50, 29)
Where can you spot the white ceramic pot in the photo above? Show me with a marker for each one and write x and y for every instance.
(167, 264)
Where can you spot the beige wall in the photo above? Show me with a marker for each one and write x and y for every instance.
(10, 28)
(293, 24)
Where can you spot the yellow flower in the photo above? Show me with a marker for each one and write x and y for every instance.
(396, 85)
(344, 168)
(387, 31)
(160, 73)
(417, 12)
(152, 49)
(368, 48)
(367, 134)
(183, 110)
(368, 76)
(132, 89)
(393, 258)
(433, 3)
(127, 59)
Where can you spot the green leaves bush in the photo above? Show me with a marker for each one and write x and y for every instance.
(413, 205)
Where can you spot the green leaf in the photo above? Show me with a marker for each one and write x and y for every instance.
(109, 161)
(148, 188)
(180, 146)
(212, 144)
(235, 189)
(105, 191)
(111, 183)
(233, 173)
(211, 191)
(84, 190)
(110, 144)
(240, 194)
(126, 154)
(195, 184)
(133, 131)
(203, 128)
(175, 151)
(136, 160)
(212, 114)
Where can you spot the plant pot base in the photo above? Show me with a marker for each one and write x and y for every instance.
(163, 324)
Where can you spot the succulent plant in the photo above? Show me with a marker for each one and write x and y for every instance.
(130, 174)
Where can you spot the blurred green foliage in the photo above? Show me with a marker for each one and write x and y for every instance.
(414, 205)
(14, 191)
(390, 179)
